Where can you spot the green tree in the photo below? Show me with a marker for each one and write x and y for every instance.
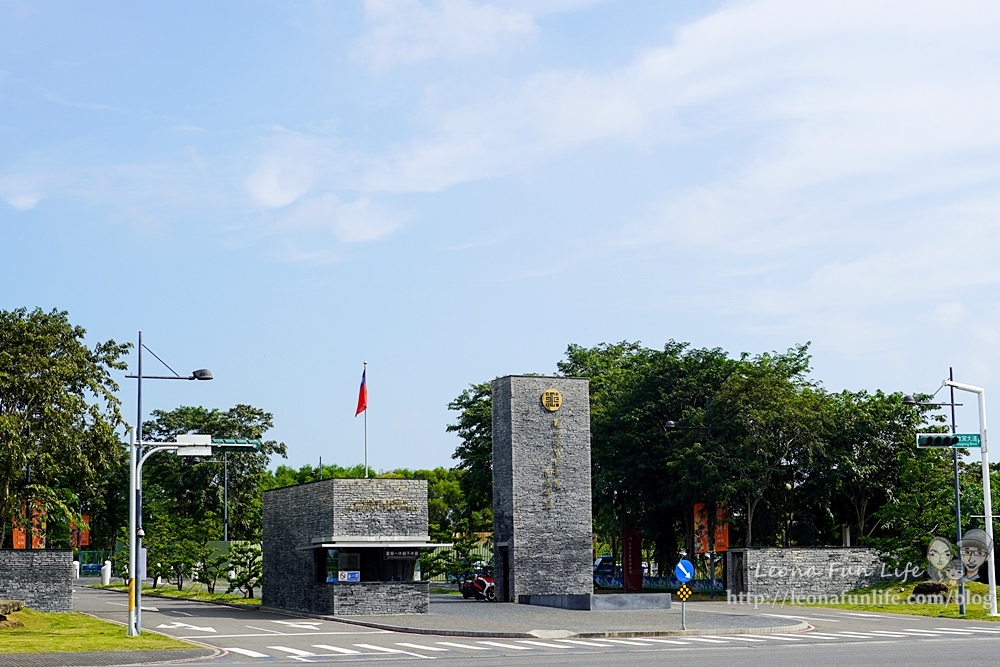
(247, 567)
(920, 507)
(475, 451)
(195, 488)
(58, 416)
(768, 421)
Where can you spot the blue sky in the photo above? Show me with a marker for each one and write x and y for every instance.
(455, 190)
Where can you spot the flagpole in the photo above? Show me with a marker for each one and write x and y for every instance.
(366, 419)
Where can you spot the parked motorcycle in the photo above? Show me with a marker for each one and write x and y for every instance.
(480, 586)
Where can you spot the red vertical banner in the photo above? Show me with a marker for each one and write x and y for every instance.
(19, 541)
(37, 529)
(631, 559)
(700, 528)
(80, 537)
(721, 528)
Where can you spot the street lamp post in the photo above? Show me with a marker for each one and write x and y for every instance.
(136, 458)
(987, 495)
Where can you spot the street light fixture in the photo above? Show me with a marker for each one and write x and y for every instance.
(987, 494)
(136, 458)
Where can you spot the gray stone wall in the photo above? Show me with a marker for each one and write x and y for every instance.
(397, 597)
(295, 517)
(541, 487)
(390, 507)
(41, 578)
(783, 574)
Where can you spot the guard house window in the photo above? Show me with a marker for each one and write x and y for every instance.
(372, 564)
(329, 563)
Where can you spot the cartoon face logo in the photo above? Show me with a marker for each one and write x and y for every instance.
(975, 548)
(939, 553)
(955, 571)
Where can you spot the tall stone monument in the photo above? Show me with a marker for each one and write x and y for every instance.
(541, 490)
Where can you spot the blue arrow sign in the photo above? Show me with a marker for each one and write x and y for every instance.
(684, 571)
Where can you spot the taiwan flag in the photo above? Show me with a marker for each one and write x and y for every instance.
(362, 394)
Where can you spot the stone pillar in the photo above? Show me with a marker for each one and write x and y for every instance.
(541, 487)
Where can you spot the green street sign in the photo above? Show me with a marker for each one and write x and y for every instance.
(949, 440)
(235, 444)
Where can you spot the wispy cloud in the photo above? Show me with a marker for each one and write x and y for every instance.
(350, 222)
(411, 31)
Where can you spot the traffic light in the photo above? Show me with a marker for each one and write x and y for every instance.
(936, 440)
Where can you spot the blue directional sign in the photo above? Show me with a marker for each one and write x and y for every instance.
(684, 571)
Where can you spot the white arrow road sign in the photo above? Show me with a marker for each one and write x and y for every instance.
(307, 625)
(177, 624)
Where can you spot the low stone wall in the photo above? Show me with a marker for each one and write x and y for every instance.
(774, 574)
(368, 598)
(42, 578)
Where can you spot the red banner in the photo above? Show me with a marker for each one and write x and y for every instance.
(37, 529)
(701, 541)
(631, 560)
(80, 538)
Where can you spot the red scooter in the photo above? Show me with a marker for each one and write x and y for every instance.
(479, 586)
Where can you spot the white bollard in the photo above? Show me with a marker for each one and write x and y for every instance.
(76, 569)
(106, 573)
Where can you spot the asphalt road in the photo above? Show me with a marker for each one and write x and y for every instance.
(264, 639)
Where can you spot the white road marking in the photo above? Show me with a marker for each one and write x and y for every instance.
(335, 649)
(851, 613)
(499, 645)
(857, 634)
(293, 651)
(468, 646)
(783, 638)
(182, 613)
(386, 649)
(804, 618)
(303, 625)
(580, 642)
(542, 644)
(886, 633)
(421, 647)
(706, 639)
(177, 624)
(739, 638)
(824, 635)
(627, 642)
(668, 641)
(990, 630)
(918, 631)
(248, 653)
(125, 604)
(954, 632)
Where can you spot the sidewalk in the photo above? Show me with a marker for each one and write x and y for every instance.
(455, 616)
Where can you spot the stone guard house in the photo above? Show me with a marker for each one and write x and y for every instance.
(345, 547)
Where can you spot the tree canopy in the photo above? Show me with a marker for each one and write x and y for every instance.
(58, 416)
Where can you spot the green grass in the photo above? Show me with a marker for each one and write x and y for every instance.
(194, 592)
(444, 591)
(892, 598)
(59, 632)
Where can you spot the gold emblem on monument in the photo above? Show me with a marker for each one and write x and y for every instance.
(551, 400)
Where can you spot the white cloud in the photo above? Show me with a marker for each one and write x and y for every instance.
(21, 192)
(351, 222)
(411, 31)
(287, 170)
